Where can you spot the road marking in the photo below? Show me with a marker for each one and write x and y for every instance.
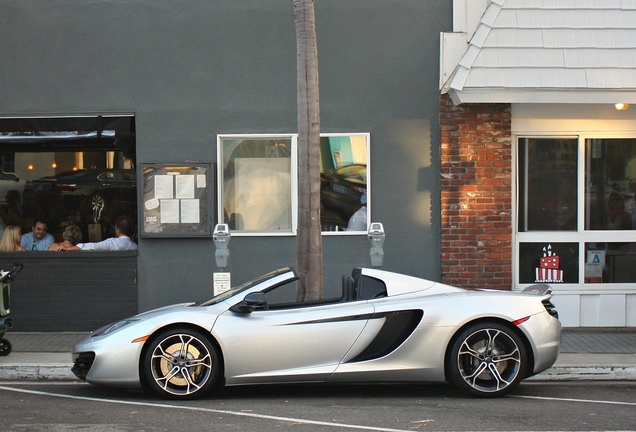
(574, 400)
(212, 410)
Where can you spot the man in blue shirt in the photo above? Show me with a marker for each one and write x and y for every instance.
(38, 239)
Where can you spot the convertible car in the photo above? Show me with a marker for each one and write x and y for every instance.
(384, 328)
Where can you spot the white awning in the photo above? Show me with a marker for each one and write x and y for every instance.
(548, 51)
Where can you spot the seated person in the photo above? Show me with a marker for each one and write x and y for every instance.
(121, 241)
(72, 235)
(10, 241)
(38, 239)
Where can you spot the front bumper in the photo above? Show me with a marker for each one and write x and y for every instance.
(110, 361)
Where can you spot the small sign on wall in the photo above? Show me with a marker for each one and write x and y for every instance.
(222, 282)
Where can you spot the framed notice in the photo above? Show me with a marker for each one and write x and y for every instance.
(176, 200)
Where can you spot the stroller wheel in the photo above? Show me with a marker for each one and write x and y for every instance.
(5, 347)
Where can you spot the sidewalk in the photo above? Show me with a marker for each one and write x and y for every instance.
(585, 355)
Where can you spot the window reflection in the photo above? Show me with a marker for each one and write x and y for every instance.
(547, 187)
(343, 189)
(257, 184)
(610, 262)
(610, 182)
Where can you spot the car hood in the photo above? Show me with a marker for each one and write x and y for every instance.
(204, 316)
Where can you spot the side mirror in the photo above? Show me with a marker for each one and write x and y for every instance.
(251, 302)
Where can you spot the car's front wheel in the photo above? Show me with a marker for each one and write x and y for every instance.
(181, 364)
(487, 360)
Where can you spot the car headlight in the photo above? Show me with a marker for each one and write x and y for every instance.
(112, 328)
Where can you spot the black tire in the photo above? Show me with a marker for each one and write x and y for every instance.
(487, 360)
(5, 347)
(180, 363)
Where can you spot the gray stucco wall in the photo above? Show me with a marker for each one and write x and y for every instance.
(189, 70)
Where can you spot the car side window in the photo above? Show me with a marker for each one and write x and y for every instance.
(282, 296)
(286, 297)
(371, 288)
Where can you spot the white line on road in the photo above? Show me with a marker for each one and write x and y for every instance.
(217, 411)
(574, 400)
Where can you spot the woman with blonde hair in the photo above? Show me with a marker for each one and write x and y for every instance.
(10, 241)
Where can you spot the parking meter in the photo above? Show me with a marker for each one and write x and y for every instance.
(221, 237)
(376, 238)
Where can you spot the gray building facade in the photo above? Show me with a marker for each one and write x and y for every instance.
(192, 72)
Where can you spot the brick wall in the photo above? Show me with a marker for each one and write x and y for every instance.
(476, 186)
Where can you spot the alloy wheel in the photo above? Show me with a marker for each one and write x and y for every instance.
(488, 360)
(181, 365)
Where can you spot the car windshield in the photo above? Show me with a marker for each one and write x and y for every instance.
(240, 288)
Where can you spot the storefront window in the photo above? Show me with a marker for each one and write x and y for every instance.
(343, 188)
(258, 186)
(256, 183)
(548, 263)
(610, 182)
(75, 170)
(547, 173)
(610, 262)
(576, 210)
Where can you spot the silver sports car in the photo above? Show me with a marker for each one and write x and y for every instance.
(386, 327)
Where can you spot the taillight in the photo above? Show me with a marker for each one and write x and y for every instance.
(65, 187)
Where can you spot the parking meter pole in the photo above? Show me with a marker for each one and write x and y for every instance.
(376, 238)
(221, 238)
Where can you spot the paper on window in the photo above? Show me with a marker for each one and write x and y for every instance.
(169, 211)
(190, 211)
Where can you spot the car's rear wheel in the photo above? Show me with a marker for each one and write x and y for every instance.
(181, 364)
(487, 360)
(5, 347)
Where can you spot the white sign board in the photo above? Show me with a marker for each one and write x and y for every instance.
(222, 282)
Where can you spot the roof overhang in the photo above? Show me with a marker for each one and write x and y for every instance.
(542, 96)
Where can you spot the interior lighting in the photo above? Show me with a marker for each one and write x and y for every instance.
(30, 167)
(53, 165)
(621, 106)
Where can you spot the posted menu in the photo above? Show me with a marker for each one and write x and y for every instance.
(176, 200)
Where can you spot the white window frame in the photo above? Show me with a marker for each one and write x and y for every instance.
(294, 181)
(581, 236)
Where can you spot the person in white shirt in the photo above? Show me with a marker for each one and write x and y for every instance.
(358, 221)
(121, 241)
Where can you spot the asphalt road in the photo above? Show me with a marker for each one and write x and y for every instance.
(545, 406)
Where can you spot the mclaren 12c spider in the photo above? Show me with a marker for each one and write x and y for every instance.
(385, 328)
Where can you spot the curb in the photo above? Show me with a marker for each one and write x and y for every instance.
(588, 373)
(59, 372)
(21, 372)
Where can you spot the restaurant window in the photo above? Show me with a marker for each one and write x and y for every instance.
(547, 193)
(68, 170)
(258, 182)
(576, 212)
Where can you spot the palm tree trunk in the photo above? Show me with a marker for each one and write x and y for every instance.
(309, 238)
